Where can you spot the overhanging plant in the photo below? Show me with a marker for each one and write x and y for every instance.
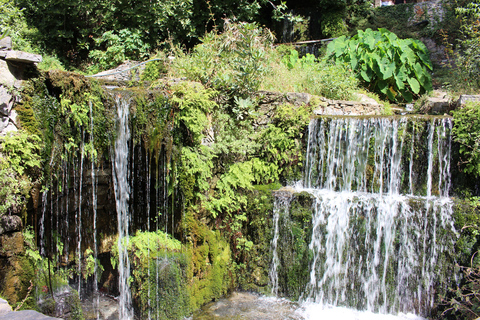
(394, 67)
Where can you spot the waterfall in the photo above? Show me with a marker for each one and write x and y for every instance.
(79, 218)
(122, 195)
(94, 207)
(382, 217)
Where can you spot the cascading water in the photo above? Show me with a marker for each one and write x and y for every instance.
(382, 217)
(122, 195)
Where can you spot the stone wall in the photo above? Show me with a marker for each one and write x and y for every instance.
(323, 106)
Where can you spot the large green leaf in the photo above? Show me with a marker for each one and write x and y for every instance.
(425, 59)
(366, 75)
(414, 85)
(389, 70)
(382, 86)
(407, 95)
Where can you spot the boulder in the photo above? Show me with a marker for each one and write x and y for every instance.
(25, 57)
(10, 224)
(6, 43)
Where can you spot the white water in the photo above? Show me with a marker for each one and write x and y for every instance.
(96, 296)
(381, 210)
(122, 195)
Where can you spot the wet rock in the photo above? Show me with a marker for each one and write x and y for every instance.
(65, 304)
(26, 315)
(24, 57)
(10, 224)
(11, 244)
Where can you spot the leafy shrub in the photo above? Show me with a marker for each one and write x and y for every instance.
(466, 132)
(232, 62)
(118, 47)
(467, 60)
(396, 68)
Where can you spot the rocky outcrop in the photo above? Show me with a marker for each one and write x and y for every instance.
(13, 70)
(15, 268)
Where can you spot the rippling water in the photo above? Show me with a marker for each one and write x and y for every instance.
(249, 306)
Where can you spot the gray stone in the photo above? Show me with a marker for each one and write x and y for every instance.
(298, 98)
(4, 307)
(6, 43)
(25, 57)
(11, 124)
(26, 315)
(3, 54)
(7, 78)
(467, 98)
(10, 224)
(5, 101)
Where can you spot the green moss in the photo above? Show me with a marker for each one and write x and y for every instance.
(159, 267)
(210, 262)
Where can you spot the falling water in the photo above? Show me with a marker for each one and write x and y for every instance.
(281, 206)
(94, 207)
(79, 218)
(122, 195)
(382, 217)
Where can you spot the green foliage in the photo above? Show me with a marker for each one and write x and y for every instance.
(462, 298)
(14, 25)
(396, 19)
(232, 62)
(281, 141)
(396, 68)
(119, 46)
(333, 25)
(210, 263)
(307, 74)
(193, 103)
(467, 60)
(159, 268)
(109, 31)
(20, 164)
(466, 132)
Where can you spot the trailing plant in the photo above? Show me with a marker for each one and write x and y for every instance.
(193, 103)
(396, 68)
(20, 165)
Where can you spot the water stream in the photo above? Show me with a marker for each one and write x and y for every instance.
(122, 195)
(381, 217)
